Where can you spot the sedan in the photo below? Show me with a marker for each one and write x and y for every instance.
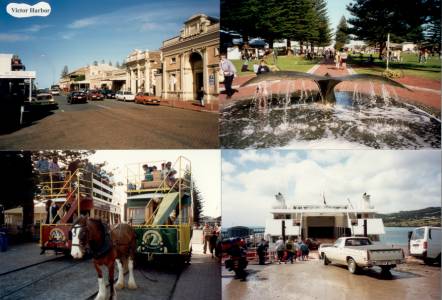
(94, 95)
(125, 96)
(77, 97)
(146, 98)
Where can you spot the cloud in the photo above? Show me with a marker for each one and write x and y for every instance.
(6, 37)
(23, 10)
(36, 28)
(396, 180)
(82, 23)
(68, 35)
(227, 167)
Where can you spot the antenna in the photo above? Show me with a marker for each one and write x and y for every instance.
(349, 202)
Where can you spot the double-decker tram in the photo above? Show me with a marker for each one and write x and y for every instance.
(160, 208)
(68, 195)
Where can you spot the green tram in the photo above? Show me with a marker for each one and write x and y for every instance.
(160, 208)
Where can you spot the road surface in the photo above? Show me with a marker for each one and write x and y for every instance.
(111, 124)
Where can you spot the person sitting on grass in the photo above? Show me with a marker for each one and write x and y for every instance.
(263, 68)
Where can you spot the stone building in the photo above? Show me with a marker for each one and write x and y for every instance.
(191, 61)
(142, 66)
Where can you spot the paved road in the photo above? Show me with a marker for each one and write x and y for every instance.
(312, 280)
(111, 124)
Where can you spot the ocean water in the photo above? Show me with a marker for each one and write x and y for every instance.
(396, 235)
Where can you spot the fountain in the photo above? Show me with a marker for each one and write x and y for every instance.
(297, 113)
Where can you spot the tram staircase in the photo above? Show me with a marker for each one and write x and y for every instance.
(168, 203)
(72, 197)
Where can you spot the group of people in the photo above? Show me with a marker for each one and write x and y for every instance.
(167, 173)
(291, 250)
(341, 59)
(210, 237)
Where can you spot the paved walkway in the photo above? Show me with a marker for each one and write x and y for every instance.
(191, 105)
(23, 255)
(424, 92)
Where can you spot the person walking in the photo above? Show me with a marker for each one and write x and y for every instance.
(229, 71)
(279, 248)
(207, 233)
(261, 250)
(290, 249)
(337, 59)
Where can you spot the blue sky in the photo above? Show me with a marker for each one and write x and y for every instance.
(77, 32)
(337, 9)
(398, 180)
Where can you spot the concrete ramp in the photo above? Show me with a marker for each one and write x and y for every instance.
(166, 206)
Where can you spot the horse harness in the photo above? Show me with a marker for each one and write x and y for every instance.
(102, 250)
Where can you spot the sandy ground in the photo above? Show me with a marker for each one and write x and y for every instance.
(313, 280)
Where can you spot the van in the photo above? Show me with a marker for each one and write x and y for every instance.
(425, 243)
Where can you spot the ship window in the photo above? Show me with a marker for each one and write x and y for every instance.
(359, 216)
(287, 217)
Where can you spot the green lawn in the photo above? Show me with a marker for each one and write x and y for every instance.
(284, 63)
(409, 65)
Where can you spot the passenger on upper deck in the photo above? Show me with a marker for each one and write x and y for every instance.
(147, 173)
(170, 174)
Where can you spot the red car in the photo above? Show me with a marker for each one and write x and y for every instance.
(146, 98)
(95, 95)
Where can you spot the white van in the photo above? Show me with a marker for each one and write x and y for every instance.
(425, 243)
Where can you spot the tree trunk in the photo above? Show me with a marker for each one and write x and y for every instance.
(289, 47)
(301, 44)
(28, 197)
(381, 49)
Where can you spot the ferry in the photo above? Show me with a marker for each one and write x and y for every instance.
(323, 222)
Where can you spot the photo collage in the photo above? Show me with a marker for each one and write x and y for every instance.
(220, 149)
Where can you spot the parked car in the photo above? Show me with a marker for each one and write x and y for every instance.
(77, 97)
(425, 243)
(146, 98)
(125, 96)
(360, 252)
(41, 99)
(108, 94)
(95, 95)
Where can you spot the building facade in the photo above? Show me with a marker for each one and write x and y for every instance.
(94, 77)
(142, 66)
(191, 61)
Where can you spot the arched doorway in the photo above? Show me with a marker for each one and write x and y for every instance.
(196, 64)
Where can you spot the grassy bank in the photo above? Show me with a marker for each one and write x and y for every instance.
(409, 65)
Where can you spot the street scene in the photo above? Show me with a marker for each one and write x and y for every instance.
(83, 218)
(166, 63)
(330, 224)
(330, 75)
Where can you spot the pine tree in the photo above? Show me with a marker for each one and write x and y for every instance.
(65, 71)
(110, 63)
(95, 63)
(341, 37)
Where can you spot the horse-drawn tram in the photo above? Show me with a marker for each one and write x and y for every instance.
(160, 208)
(68, 195)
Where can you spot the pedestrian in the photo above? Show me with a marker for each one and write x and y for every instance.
(229, 71)
(261, 250)
(344, 56)
(290, 249)
(337, 59)
(279, 248)
(207, 232)
(212, 242)
(304, 251)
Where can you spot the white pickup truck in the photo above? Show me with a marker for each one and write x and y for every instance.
(360, 252)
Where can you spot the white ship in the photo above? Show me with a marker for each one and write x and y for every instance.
(323, 221)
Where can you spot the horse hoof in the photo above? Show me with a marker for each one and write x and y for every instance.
(132, 286)
(119, 286)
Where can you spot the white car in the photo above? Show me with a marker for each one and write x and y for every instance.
(425, 243)
(55, 92)
(125, 96)
(360, 252)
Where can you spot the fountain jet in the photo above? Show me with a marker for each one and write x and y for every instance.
(325, 83)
